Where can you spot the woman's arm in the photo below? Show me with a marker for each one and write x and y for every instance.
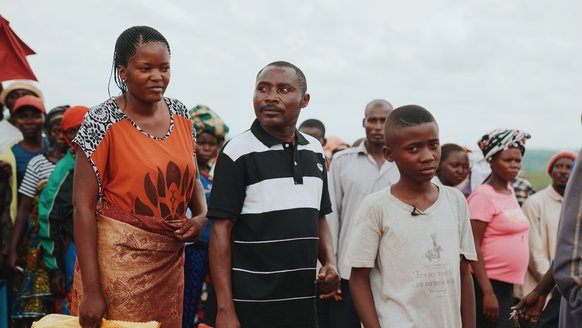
(490, 303)
(21, 215)
(191, 229)
(92, 307)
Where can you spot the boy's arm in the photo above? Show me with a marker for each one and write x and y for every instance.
(362, 297)
(467, 295)
(220, 269)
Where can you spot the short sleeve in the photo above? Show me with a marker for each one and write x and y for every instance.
(480, 207)
(228, 189)
(92, 138)
(325, 205)
(365, 239)
(30, 180)
(466, 242)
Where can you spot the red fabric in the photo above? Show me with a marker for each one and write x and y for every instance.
(13, 52)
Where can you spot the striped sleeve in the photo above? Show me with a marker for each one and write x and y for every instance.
(38, 170)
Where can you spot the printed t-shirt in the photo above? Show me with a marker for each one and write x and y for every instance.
(24, 156)
(38, 171)
(138, 172)
(505, 242)
(415, 259)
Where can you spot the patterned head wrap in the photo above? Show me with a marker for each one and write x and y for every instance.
(205, 119)
(502, 139)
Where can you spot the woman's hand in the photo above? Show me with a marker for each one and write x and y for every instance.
(188, 230)
(490, 306)
(91, 310)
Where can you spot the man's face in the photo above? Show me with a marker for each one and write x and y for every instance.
(374, 124)
(278, 98)
(561, 172)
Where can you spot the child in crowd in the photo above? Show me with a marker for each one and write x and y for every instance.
(412, 242)
(454, 166)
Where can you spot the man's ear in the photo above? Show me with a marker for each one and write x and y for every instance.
(305, 100)
(388, 154)
(324, 142)
(364, 122)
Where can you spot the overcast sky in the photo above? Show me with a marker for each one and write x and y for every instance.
(476, 65)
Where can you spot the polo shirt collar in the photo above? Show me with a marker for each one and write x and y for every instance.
(269, 140)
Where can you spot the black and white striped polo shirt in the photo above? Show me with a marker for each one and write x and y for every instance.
(275, 192)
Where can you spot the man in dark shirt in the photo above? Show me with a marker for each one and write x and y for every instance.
(269, 202)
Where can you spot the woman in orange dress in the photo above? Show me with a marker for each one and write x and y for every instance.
(135, 176)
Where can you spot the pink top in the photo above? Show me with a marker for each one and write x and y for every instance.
(505, 244)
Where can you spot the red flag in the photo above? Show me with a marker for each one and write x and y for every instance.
(13, 52)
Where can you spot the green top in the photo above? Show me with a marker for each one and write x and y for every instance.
(54, 207)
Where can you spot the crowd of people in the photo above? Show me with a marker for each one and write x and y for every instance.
(139, 209)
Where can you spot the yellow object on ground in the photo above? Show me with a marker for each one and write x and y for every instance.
(67, 321)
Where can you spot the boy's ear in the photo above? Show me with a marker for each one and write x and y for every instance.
(388, 154)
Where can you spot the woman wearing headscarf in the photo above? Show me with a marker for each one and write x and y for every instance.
(211, 132)
(55, 216)
(500, 229)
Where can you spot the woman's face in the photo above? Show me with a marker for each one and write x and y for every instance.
(29, 121)
(206, 148)
(506, 164)
(56, 136)
(454, 169)
(147, 74)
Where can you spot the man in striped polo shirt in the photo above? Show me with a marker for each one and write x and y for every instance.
(269, 202)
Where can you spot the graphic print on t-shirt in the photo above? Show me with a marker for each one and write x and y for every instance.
(436, 277)
(164, 193)
(435, 252)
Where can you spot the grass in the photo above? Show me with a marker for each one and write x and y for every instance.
(538, 179)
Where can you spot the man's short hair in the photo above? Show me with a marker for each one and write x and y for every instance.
(376, 103)
(313, 123)
(300, 75)
(406, 116)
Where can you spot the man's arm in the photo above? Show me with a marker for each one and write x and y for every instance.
(220, 269)
(328, 279)
(467, 295)
(538, 258)
(363, 298)
(568, 260)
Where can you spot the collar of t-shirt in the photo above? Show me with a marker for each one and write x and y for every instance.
(270, 140)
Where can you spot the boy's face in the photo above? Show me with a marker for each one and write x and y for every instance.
(415, 150)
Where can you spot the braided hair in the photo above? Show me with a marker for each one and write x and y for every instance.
(126, 46)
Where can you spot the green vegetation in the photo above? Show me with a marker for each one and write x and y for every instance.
(534, 166)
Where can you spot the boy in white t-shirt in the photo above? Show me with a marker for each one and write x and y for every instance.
(412, 242)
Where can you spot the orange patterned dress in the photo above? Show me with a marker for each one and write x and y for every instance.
(144, 181)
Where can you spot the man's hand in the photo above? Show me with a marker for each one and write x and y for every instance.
(532, 305)
(227, 319)
(328, 282)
